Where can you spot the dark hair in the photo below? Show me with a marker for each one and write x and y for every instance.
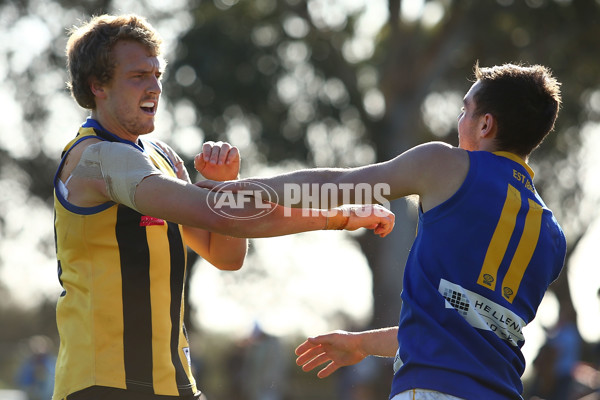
(524, 100)
(89, 51)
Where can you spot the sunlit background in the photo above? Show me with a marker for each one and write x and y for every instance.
(309, 283)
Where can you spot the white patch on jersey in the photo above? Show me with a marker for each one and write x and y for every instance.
(186, 351)
(397, 361)
(482, 313)
(120, 165)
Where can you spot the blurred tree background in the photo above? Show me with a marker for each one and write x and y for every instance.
(293, 83)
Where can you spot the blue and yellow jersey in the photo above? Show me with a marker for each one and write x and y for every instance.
(120, 316)
(475, 276)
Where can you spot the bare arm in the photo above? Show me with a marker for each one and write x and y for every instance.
(176, 201)
(227, 219)
(117, 172)
(434, 171)
(341, 348)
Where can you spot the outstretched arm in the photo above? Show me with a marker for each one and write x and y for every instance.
(238, 218)
(341, 348)
(434, 171)
(172, 200)
(119, 173)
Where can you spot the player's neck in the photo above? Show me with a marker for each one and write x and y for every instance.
(113, 126)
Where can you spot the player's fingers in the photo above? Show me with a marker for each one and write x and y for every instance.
(303, 347)
(315, 362)
(308, 355)
(328, 370)
(387, 225)
(178, 160)
(199, 162)
(215, 151)
(207, 150)
(381, 228)
(233, 155)
(224, 149)
(381, 231)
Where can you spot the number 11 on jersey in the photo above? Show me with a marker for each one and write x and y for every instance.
(499, 244)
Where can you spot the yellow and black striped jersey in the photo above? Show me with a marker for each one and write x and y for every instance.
(120, 316)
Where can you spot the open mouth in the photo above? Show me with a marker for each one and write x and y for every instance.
(149, 107)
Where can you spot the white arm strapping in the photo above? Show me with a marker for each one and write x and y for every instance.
(121, 166)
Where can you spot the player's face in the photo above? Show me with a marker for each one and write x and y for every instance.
(468, 122)
(132, 95)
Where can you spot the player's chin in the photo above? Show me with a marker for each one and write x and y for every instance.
(146, 127)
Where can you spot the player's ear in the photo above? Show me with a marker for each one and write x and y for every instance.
(97, 88)
(488, 126)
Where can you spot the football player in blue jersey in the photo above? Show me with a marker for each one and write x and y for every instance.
(486, 248)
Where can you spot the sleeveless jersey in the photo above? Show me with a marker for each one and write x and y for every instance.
(475, 276)
(120, 316)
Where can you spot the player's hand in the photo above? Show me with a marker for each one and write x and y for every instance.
(338, 349)
(369, 216)
(219, 161)
(180, 169)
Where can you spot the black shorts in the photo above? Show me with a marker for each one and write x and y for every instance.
(108, 393)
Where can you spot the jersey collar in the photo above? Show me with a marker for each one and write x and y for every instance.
(92, 123)
(517, 159)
